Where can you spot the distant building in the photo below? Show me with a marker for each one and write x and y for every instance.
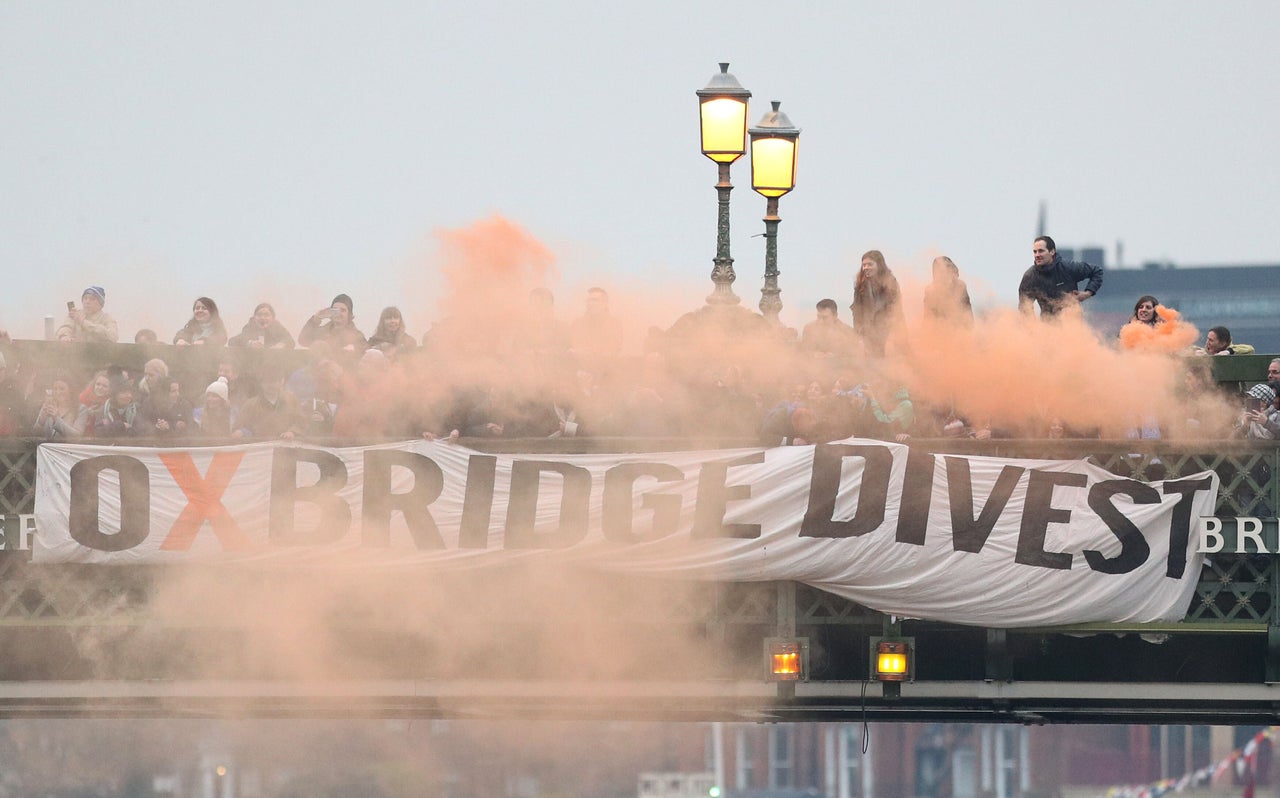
(957, 760)
(1244, 299)
(677, 785)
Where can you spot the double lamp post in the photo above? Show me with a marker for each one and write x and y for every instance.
(723, 105)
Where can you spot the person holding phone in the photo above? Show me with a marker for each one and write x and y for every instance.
(90, 322)
(335, 326)
(1256, 420)
(59, 412)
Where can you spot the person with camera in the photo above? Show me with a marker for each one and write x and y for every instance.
(335, 326)
(1257, 421)
(90, 323)
(59, 412)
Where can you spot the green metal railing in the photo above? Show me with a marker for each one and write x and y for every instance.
(1235, 590)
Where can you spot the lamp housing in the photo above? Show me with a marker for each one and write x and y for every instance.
(723, 110)
(774, 145)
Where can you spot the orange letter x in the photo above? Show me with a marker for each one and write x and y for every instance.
(204, 500)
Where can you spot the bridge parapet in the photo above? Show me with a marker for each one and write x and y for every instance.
(78, 622)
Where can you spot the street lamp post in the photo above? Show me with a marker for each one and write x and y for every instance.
(774, 142)
(723, 107)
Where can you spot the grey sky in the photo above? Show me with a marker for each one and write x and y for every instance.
(289, 151)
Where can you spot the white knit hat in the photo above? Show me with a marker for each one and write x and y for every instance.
(219, 387)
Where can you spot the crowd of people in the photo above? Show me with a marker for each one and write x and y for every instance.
(534, 376)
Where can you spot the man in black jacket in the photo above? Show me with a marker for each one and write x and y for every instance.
(1054, 283)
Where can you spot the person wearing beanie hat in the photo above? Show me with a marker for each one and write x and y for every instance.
(89, 323)
(219, 388)
(214, 416)
(334, 325)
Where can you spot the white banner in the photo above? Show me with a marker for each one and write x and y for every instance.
(972, 540)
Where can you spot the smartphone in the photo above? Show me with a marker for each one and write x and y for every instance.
(71, 306)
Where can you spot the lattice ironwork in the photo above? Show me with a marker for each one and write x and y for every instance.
(815, 607)
(1236, 588)
(69, 595)
(17, 478)
(1246, 474)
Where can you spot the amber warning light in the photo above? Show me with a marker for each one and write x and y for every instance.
(785, 659)
(893, 660)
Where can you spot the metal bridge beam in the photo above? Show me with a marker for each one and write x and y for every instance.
(986, 702)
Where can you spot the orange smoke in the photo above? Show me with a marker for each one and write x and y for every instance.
(489, 268)
(1019, 374)
(1171, 335)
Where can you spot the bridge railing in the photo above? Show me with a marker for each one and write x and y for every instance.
(1233, 588)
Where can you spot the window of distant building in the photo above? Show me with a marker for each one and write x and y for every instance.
(850, 753)
(744, 760)
(781, 756)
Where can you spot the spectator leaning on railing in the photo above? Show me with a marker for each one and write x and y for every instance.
(390, 337)
(215, 416)
(164, 412)
(273, 413)
(540, 396)
(1218, 342)
(263, 330)
(205, 328)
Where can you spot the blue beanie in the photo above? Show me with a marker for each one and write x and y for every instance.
(97, 291)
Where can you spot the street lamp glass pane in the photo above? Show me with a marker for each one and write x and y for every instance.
(773, 163)
(724, 129)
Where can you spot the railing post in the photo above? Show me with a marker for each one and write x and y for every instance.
(999, 668)
(786, 628)
(786, 609)
(1272, 664)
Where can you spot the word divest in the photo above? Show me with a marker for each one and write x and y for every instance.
(965, 539)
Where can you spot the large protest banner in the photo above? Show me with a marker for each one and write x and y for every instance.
(973, 540)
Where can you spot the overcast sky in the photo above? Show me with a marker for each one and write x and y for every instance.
(289, 151)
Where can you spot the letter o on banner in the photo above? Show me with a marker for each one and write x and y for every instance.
(135, 503)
